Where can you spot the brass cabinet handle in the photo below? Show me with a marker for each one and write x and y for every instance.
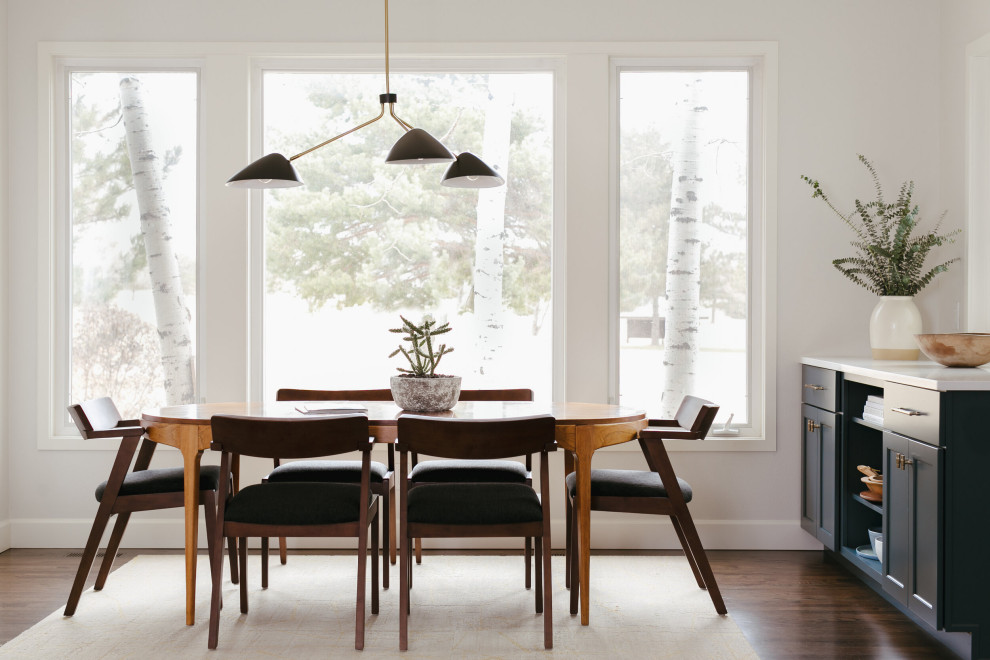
(901, 461)
(813, 426)
(908, 412)
(814, 387)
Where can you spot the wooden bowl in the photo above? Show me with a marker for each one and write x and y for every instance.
(956, 349)
(875, 485)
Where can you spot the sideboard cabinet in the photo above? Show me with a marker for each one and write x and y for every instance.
(932, 445)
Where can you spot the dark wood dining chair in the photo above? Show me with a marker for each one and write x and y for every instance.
(309, 509)
(475, 509)
(656, 491)
(125, 492)
(342, 471)
(496, 471)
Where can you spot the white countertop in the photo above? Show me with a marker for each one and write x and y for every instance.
(918, 373)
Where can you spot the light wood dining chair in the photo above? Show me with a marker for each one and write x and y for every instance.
(656, 491)
(475, 509)
(125, 492)
(309, 509)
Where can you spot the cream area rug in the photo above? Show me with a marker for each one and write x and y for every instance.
(462, 607)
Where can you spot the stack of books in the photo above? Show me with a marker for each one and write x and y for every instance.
(873, 410)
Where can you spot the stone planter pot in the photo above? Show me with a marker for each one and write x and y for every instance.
(426, 394)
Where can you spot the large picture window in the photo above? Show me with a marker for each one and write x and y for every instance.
(131, 201)
(686, 279)
(363, 242)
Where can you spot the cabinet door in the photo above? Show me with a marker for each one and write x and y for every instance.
(896, 562)
(924, 466)
(818, 506)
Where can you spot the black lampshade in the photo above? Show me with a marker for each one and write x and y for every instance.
(271, 171)
(418, 146)
(469, 171)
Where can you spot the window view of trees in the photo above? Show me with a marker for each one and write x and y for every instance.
(132, 188)
(683, 239)
(362, 241)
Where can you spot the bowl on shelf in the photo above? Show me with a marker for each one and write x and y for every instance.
(874, 490)
(956, 349)
(876, 536)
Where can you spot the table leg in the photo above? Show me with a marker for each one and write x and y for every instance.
(582, 467)
(190, 462)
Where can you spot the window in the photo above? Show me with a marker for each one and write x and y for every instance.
(689, 317)
(128, 288)
(363, 242)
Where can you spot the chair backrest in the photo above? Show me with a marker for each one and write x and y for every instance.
(94, 415)
(475, 438)
(289, 394)
(696, 415)
(290, 438)
(518, 394)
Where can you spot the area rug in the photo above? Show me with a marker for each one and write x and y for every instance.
(462, 607)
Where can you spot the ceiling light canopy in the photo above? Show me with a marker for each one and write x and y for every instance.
(415, 147)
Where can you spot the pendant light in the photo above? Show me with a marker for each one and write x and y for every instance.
(416, 146)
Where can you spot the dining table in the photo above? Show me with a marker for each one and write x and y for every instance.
(581, 429)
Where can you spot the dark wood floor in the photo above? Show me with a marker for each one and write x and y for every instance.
(788, 604)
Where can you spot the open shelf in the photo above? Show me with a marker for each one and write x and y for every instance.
(870, 567)
(868, 504)
(867, 424)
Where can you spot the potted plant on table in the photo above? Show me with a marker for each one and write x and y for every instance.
(420, 388)
(889, 262)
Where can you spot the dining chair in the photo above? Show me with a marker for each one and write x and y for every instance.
(310, 509)
(655, 491)
(475, 509)
(496, 471)
(341, 471)
(123, 493)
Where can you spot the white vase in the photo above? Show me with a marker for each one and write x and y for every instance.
(894, 323)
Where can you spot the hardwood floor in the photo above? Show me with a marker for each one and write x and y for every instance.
(789, 604)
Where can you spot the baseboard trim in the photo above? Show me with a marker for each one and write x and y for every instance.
(607, 533)
(4, 535)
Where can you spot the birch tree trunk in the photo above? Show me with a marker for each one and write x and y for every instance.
(174, 319)
(680, 349)
(489, 251)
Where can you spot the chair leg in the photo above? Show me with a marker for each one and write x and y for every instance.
(547, 593)
(385, 501)
(393, 527)
(694, 542)
(209, 501)
(282, 551)
(86, 563)
(529, 572)
(374, 563)
(215, 603)
(362, 571)
(567, 542)
(419, 551)
(687, 552)
(111, 552)
(405, 557)
(242, 553)
(264, 562)
(232, 551)
(575, 579)
(539, 572)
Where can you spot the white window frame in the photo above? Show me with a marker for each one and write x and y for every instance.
(56, 234)
(760, 433)
(420, 63)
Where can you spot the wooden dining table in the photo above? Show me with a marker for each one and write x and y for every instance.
(582, 428)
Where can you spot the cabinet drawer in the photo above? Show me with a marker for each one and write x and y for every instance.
(818, 387)
(911, 411)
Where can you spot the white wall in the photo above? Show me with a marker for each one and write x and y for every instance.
(4, 279)
(849, 82)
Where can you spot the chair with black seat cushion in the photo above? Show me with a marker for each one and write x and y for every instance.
(498, 471)
(309, 509)
(655, 491)
(475, 509)
(125, 492)
(382, 480)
